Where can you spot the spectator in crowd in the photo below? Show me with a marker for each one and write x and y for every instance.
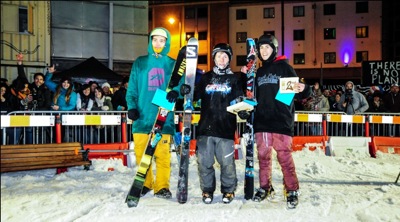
(41, 95)
(107, 89)
(101, 101)
(352, 102)
(4, 80)
(77, 87)
(5, 98)
(317, 101)
(336, 104)
(64, 98)
(376, 105)
(119, 100)
(116, 88)
(328, 94)
(339, 91)
(93, 86)
(41, 101)
(392, 99)
(20, 100)
(84, 101)
(5, 104)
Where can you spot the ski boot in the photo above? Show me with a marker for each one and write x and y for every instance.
(145, 190)
(292, 199)
(228, 197)
(262, 194)
(164, 193)
(207, 197)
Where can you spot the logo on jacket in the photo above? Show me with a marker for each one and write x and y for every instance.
(213, 87)
(156, 78)
(270, 79)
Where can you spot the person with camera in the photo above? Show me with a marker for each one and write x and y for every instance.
(27, 97)
(352, 102)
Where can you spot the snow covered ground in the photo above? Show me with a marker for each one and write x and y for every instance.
(347, 188)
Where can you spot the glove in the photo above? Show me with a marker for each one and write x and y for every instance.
(133, 114)
(104, 108)
(185, 89)
(172, 96)
(244, 114)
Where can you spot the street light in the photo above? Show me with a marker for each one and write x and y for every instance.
(172, 21)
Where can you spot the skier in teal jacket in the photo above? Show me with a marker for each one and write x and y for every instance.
(149, 73)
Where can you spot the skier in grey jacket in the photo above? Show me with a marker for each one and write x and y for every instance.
(352, 102)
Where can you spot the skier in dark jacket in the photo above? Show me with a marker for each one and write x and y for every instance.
(274, 120)
(216, 129)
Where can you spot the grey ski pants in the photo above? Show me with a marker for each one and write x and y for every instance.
(209, 147)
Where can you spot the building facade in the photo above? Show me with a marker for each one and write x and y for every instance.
(66, 33)
(324, 40)
(321, 39)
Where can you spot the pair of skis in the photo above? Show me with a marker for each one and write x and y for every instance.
(187, 59)
(249, 135)
(248, 104)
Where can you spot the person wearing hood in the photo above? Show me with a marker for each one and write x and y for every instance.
(352, 102)
(64, 96)
(216, 130)
(392, 99)
(274, 120)
(149, 73)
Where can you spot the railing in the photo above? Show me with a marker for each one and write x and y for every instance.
(114, 127)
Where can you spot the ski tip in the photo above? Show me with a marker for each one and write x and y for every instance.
(248, 197)
(131, 203)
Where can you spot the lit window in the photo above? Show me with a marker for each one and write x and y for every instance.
(362, 32)
(189, 35)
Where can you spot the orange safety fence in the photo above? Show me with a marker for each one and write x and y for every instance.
(309, 142)
(386, 144)
(112, 130)
(107, 151)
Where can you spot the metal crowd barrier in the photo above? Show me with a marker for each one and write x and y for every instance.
(36, 127)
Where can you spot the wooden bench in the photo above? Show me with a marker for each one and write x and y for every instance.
(42, 156)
